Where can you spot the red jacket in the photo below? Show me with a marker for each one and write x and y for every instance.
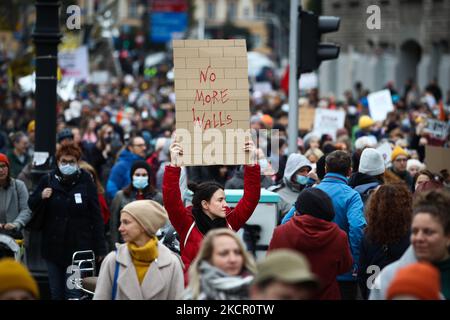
(182, 219)
(323, 243)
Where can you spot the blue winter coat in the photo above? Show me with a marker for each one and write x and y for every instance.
(349, 215)
(119, 177)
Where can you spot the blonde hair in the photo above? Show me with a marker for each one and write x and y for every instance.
(314, 152)
(205, 254)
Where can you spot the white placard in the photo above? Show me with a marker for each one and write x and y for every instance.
(380, 104)
(39, 158)
(263, 87)
(328, 121)
(74, 64)
(386, 151)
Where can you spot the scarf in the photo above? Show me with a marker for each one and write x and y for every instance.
(215, 284)
(205, 223)
(143, 256)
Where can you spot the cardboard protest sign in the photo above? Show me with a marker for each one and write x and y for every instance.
(212, 101)
(437, 158)
(306, 117)
(380, 104)
(328, 121)
(436, 128)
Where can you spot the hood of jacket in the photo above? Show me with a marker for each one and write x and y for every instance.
(312, 233)
(293, 164)
(359, 178)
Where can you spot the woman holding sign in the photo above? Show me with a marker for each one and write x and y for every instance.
(209, 209)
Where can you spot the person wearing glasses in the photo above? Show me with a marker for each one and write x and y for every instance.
(120, 172)
(399, 159)
(67, 199)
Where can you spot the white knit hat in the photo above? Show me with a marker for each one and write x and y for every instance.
(371, 162)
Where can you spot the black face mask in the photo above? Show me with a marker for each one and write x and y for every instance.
(108, 139)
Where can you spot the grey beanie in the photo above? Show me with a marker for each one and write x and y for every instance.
(371, 162)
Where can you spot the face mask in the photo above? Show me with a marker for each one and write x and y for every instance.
(140, 182)
(108, 139)
(264, 164)
(68, 169)
(301, 180)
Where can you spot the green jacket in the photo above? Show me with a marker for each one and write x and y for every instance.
(15, 165)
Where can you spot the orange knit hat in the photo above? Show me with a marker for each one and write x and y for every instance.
(398, 151)
(421, 280)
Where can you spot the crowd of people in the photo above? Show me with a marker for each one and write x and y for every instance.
(351, 223)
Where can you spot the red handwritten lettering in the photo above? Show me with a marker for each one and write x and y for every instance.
(204, 75)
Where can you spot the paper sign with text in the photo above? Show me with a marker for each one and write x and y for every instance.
(328, 121)
(212, 101)
(437, 129)
(380, 104)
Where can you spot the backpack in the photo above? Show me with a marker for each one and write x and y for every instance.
(366, 189)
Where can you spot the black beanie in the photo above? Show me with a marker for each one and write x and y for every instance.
(140, 164)
(316, 203)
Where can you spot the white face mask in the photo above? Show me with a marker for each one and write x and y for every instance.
(68, 169)
(140, 182)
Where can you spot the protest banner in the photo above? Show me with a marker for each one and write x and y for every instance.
(328, 121)
(74, 64)
(380, 104)
(437, 129)
(437, 158)
(306, 115)
(212, 101)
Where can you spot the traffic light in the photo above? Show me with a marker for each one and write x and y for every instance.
(312, 52)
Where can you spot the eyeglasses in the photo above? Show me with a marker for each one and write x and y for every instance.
(401, 160)
(142, 145)
(64, 162)
(3, 166)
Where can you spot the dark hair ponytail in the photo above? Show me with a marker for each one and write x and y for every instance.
(203, 191)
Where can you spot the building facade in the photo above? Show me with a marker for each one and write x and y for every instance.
(411, 43)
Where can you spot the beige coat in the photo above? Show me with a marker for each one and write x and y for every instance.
(163, 280)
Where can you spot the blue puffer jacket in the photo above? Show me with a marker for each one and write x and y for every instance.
(349, 215)
(119, 177)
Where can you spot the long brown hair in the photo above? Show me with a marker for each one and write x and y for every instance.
(389, 213)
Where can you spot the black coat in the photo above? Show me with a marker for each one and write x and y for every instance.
(375, 254)
(73, 221)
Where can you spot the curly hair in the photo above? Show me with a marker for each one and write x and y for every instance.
(435, 203)
(68, 148)
(389, 213)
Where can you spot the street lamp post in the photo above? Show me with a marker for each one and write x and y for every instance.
(46, 37)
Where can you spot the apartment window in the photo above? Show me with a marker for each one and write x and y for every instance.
(232, 10)
(211, 9)
(384, 2)
(246, 12)
(353, 4)
(133, 11)
(336, 5)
